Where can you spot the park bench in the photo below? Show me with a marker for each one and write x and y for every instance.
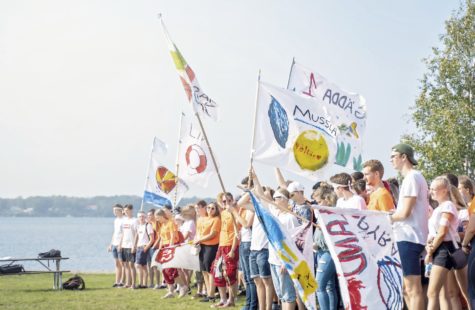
(44, 262)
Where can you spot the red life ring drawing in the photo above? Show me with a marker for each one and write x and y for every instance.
(196, 160)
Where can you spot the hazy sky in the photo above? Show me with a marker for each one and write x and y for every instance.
(85, 85)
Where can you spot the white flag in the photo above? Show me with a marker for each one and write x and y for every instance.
(162, 185)
(348, 110)
(366, 257)
(194, 156)
(179, 256)
(293, 133)
(202, 104)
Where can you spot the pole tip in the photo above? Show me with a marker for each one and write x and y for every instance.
(159, 15)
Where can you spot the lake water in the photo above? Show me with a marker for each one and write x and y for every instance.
(83, 240)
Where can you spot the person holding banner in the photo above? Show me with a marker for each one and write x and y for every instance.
(410, 222)
(283, 285)
(326, 270)
(443, 225)
(207, 236)
(169, 237)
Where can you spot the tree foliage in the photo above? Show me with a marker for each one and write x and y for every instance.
(444, 112)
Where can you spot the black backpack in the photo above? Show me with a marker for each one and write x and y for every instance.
(11, 268)
(50, 253)
(74, 283)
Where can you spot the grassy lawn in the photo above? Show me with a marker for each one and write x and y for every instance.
(35, 292)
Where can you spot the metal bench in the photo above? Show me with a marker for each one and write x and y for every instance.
(55, 269)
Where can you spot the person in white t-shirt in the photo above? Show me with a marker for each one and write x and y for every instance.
(410, 222)
(346, 198)
(188, 230)
(115, 243)
(127, 245)
(143, 243)
(443, 237)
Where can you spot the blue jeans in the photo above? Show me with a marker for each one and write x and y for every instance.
(251, 291)
(471, 274)
(326, 272)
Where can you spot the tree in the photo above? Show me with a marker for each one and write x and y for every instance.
(444, 112)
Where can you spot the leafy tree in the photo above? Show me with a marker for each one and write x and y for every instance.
(444, 112)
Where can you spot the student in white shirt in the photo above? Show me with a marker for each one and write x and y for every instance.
(346, 198)
(127, 246)
(115, 243)
(143, 243)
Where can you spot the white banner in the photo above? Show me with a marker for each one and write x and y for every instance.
(365, 253)
(194, 157)
(293, 133)
(348, 110)
(178, 256)
(161, 185)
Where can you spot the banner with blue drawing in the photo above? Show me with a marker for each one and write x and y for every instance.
(347, 110)
(366, 258)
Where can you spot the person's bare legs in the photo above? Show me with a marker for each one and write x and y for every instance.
(133, 273)
(438, 275)
(414, 292)
(118, 271)
(462, 279)
(449, 294)
(269, 287)
(261, 293)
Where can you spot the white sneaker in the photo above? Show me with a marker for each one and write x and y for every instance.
(183, 291)
(168, 295)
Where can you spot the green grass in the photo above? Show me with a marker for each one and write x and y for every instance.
(35, 292)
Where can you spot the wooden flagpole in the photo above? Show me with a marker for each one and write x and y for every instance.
(255, 120)
(211, 152)
(177, 178)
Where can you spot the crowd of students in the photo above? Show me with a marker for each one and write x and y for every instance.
(430, 223)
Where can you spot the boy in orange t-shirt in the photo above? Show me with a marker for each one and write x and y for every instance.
(380, 198)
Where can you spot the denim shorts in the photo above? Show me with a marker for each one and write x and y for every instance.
(115, 252)
(284, 287)
(259, 264)
(410, 254)
(150, 253)
(141, 256)
(127, 255)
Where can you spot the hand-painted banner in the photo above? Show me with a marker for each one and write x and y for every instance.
(202, 104)
(177, 256)
(367, 261)
(301, 271)
(161, 182)
(194, 156)
(293, 133)
(348, 111)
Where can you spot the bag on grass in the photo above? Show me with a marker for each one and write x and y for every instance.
(74, 283)
(11, 268)
(51, 253)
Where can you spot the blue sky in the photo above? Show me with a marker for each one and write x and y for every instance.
(85, 85)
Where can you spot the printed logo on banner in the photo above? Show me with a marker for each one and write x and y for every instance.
(166, 180)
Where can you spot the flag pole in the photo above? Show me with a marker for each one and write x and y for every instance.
(211, 152)
(177, 178)
(290, 73)
(255, 120)
(148, 174)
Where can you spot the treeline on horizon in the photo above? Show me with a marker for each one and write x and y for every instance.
(64, 206)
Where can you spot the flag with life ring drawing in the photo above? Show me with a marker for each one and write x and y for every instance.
(194, 157)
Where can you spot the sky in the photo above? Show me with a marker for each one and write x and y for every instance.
(85, 85)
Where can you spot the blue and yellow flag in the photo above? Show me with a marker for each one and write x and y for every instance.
(280, 239)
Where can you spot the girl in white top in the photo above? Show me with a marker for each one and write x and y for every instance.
(346, 198)
(443, 234)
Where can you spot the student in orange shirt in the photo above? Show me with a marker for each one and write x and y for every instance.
(169, 237)
(380, 198)
(228, 253)
(208, 228)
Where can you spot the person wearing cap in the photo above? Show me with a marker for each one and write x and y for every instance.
(341, 183)
(410, 222)
(380, 198)
(301, 205)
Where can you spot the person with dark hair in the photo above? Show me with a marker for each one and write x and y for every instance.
(466, 188)
(452, 178)
(410, 222)
(341, 183)
(115, 244)
(357, 175)
(127, 246)
(394, 188)
(359, 187)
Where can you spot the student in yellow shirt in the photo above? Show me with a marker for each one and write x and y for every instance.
(380, 198)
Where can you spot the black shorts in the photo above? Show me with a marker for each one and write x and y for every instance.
(441, 256)
(207, 256)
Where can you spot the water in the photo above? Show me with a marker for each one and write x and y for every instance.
(83, 240)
